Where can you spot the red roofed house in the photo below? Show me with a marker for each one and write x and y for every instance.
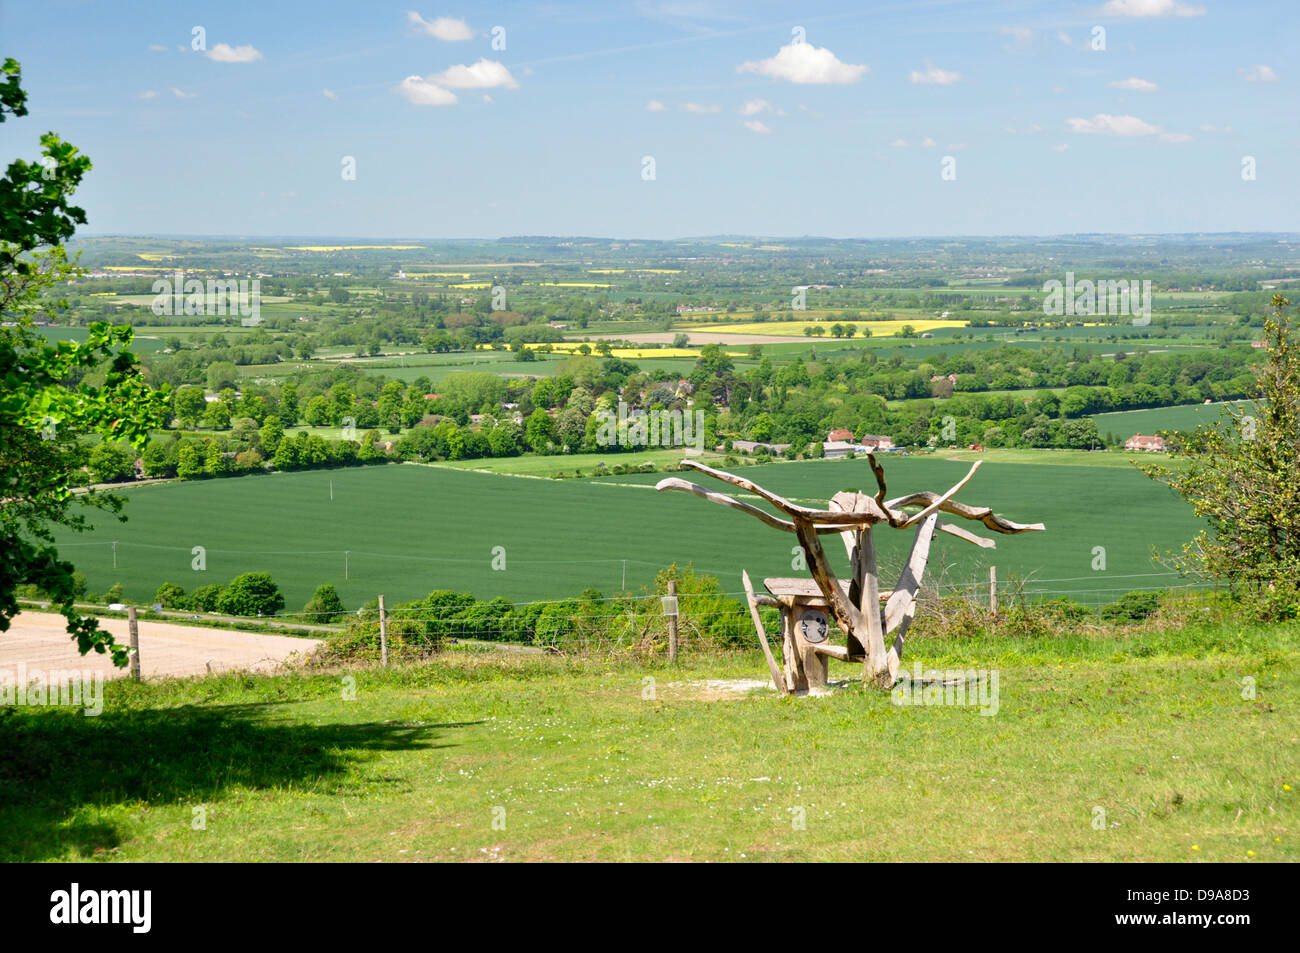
(840, 435)
(1149, 444)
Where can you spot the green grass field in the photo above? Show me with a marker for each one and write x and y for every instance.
(481, 758)
(1126, 423)
(410, 529)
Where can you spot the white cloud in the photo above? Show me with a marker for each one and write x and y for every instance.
(1258, 74)
(1061, 148)
(225, 53)
(157, 48)
(899, 143)
(1104, 124)
(181, 94)
(149, 94)
(928, 143)
(1216, 130)
(655, 106)
(1124, 127)
(933, 76)
(488, 99)
(329, 94)
(755, 106)
(1150, 8)
(701, 109)
(1064, 38)
(421, 92)
(753, 125)
(805, 63)
(1135, 84)
(447, 29)
(485, 74)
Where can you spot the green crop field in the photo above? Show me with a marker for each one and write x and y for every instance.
(409, 529)
(1126, 423)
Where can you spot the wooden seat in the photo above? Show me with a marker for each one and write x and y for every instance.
(797, 586)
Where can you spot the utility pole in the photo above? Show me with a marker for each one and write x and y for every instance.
(114, 554)
(345, 564)
(383, 633)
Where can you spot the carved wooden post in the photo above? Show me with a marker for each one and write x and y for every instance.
(993, 590)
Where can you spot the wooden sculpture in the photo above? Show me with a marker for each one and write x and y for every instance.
(855, 605)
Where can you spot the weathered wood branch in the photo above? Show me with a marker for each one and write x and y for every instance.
(984, 514)
(676, 483)
(778, 678)
(843, 518)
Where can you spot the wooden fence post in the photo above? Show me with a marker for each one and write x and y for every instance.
(383, 633)
(672, 621)
(993, 589)
(134, 628)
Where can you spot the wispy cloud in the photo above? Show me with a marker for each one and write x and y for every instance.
(805, 63)
(448, 29)
(181, 94)
(421, 92)
(702, 109)
(655, 106)
(754, 125)
(1135, 84)
(1150, 8)
(933, 76)
(329, 94)
(1123, 127)
(1258, 74)
(1021, 37)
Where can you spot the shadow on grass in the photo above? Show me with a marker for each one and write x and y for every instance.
(56, 764)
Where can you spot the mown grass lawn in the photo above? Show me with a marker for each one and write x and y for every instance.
(573, 760)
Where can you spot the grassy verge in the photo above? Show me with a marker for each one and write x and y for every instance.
(585, 759)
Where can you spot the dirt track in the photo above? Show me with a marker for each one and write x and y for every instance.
(40, 640)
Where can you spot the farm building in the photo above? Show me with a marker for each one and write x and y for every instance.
(837, 449)
(874, 442)
(1148, 444)
(839, 435)
(753, 446)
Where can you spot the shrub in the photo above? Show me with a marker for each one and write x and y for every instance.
(170, 595)
(249, 594)
(207, 598)
(325, 605)
(1131, 607)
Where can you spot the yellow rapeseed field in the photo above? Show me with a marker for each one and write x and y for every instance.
(880, 329)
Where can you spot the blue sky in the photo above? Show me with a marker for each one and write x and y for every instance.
(779, 119)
